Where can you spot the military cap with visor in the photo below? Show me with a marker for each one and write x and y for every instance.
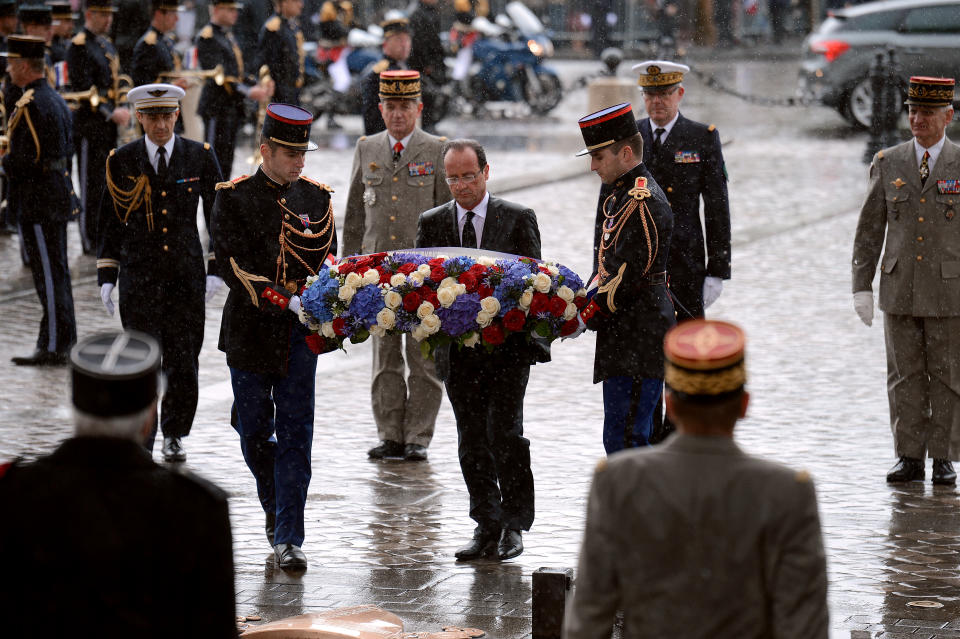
(607, 126)
(35, 14)
(61, 11)
(397, 25)
(289, 126)
(401, 84)
(25, 47)
(115, 374)
(655, 74)
(930, 92)
(155, 98)
(103, 6)
(165, 5)
(704, 360)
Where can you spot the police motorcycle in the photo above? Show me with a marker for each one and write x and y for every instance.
(334, 73)
(507, 64)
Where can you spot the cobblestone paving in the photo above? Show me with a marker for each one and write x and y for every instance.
(385, 532)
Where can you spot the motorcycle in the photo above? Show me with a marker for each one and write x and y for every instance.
(333, 85)
(507, 64)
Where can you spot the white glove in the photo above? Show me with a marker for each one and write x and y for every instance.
(580, 329)
(105, 290)
(863, 305)
(294, 304)
(214, 284)
(712, 287)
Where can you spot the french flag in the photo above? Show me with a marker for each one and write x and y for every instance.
(60, 76)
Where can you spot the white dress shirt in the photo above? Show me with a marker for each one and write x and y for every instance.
(152, 150)
(933, 150)
(666, 128)
(479, 213)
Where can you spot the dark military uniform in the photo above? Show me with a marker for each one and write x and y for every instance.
(38, 166)
(280, 47)
(426, 56)
(58, 49)
(221, 107)
(153, 54)
(92, 61)
(370, 94)
(149, 238)
(690, 165)
(272, 369)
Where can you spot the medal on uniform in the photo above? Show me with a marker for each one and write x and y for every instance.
(369, 197)
(306, 223)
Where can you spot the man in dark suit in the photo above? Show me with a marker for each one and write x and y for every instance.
(38, 166)
(485, 389)
(104, 534)
(150, 242)
(685, 159)
(673, 530)
(630, 307)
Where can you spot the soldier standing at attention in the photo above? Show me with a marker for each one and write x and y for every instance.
(63, 18)
(149, 242)
(272, 368)
(396, 49)
(222, 106)
(396, 175)
(631, 309)
(154, 53)
(912, 201)
(280, 48)
(92, 61)
(38, 166)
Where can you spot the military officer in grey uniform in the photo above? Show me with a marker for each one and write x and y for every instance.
(913, 199)
(397, 174)
(673, 531)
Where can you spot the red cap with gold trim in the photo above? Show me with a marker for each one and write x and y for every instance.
(607, 126)
(705, 359)
(931, 92)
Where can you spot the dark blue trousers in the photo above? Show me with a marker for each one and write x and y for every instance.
(45, 244)
(274, 416)
(628, 407)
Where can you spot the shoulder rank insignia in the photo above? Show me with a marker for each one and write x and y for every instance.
(802, 477)
(206, 32)
(273, 23)
(316, 184)
(879, 155)
(150, 37)
(712, 127)
(442, 138)
(381, 66)
(898, 183)
(80, 39)
(601, 466)
(639, 190)
(225, 185)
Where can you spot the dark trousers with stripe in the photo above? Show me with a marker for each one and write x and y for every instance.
(220, 132)
(91, 161)
(45, 244)
(629, 404)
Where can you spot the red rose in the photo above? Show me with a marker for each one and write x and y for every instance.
(435, 262)
(411, 301)
(407, 268)
(364, 262)
(485, 290)
(539, 304)
(339, 326)
(544, 269)
(317, 343)
(346, 267)
(362, 269)
(431, 296)
(378, 256)
(569, 327)
(385, 275)
(493, 334)
(469, 280)
(478, 269)
(580, 301)
(437, 274)
(514, 320)
(557, 306)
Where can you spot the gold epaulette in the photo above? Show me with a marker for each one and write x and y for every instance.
(362, 138)
(112, 152)
(317, 184)
(802, 477)
(80, 39)
(207, 32)
(225, 185)
(381, 66)
(601, 466)
(26, 99)
(711, 127)
(273, 23)
(206, 146)
(150, 38)
(879, 155)
(443, 138)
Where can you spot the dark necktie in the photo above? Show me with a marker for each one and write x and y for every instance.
(924, 168)
(397, 148)
(656, 142)
(469, 233)
(162, 162)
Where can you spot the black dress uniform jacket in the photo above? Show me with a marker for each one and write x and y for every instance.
(281, 48)
(370, 94)
(104, 542)
(635, 310)
(258, 231)
(58, 49)
(153, 54)
(216, 46)
(688, 166)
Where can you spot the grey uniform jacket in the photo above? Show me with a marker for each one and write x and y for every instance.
(385, 200)
(696, 534)
(920, 269)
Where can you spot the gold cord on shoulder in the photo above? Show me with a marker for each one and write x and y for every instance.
(21, 112)
(139, 195)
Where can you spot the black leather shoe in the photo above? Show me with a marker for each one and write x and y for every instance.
(386, 448)
(906, 469)
(41, 358)
(173, 450)
(510, 544)
(290, 557)
(483, 544)
(270, 526)
(414, 452)
(943, 472)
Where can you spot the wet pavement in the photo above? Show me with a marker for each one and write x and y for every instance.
(385, 532)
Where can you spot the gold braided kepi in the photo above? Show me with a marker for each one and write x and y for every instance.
(659, 73)
(402, 84)
(704, 358)
(932, 92)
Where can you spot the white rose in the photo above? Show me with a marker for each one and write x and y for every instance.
(416, 279)
(490, 305)
(554, 271)
(424, 269)
(308, 320)
(327, 329)
(425, 308)
(541, 282)
(353, 280)
(525, 299)
(430, 324)
(582, 292)
(418, 333)
(371, 277)
(446, 296)
(484, 318)
(398, 279)
(378, 331)
(447, 281)
(570, 312)
(392, 299)
(310, 280)
(473, 340)
(346, 293)
(486, 261)
(460, 289)
(565, 293)
(386, 318)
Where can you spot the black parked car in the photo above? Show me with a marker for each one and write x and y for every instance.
(837, 56)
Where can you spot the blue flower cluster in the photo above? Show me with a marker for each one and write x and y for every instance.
(365, 305)
(512, 284)
(457, 265)
(570, 278)
(318, 299)
(461, 316)
(395, 260)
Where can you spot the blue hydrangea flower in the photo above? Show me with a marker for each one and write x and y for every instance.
(570, 278)
(365, 305)
(318, 300)
(461, 316)
(457, 265)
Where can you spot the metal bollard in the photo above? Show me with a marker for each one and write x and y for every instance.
(877, 120)
(893, 99)
(550, 588)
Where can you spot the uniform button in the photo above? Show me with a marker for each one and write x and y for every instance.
(395, 178)
(919, 258)
(164, 211)
(163, 194)
(67, 173)
(421, 183)
(164, 229)
(919, 219)
(189, 189)
(393, 237)
(369, 181)
(922, 200)
(166, 248)
(920, 239)
(286, 216)
(393, 218)
(669, 189)
(283, 200)
(393, 197)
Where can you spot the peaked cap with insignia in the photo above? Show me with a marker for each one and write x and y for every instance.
(103, 6)
(403, 84)
(607, 126)
(288, 125)
(704, 360)
(156, 98)
(659, 73)
(931, 92)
